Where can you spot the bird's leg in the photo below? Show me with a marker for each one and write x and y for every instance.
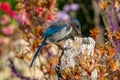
(62, 48)
(59, 45)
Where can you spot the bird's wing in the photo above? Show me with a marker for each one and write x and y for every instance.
(53, 29)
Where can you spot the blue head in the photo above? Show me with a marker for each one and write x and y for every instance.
(76, 25)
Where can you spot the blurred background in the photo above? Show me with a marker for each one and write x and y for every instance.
(22, 23)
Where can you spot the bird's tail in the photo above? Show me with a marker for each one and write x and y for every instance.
(37, 52)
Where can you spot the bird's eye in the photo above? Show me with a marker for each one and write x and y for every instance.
(77, 26)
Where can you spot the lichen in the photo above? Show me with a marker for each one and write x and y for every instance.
(73, 49)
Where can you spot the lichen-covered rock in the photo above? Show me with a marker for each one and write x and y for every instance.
(73, 49)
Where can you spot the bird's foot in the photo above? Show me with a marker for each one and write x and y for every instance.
(61, 47)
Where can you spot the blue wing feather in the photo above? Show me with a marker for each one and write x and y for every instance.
(52, 30)
(37, 52)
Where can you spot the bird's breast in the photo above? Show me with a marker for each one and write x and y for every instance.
(61, 34)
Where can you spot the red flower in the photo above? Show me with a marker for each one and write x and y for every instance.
(51, 17)
(38, 10)
(5, 7)
(13, 14)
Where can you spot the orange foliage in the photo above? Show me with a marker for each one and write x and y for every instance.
(94, 33)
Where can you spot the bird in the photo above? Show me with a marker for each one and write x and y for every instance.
(58, 31)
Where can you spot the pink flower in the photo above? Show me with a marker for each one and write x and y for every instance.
(4, 20)
(74, 6)
(5, 7)
(66, 8)
(62, 16)
(8, 30)
(23, 18)
(5, 31)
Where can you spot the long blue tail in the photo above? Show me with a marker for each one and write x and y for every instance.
(37, 52)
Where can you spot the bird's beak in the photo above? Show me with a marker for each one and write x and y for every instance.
(79, 32)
